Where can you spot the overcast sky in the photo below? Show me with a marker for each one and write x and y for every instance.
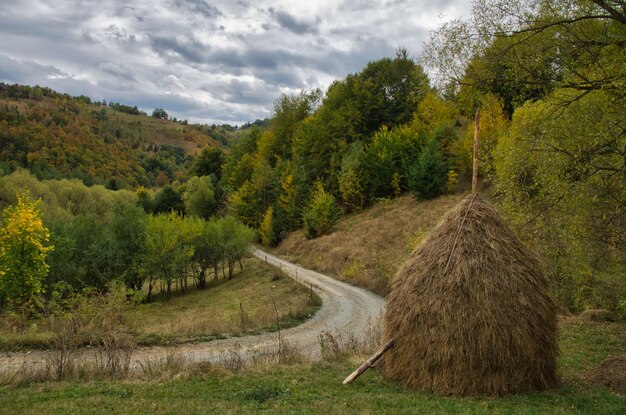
(206, 61)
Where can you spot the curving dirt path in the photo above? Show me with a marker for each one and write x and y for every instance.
(346, 311)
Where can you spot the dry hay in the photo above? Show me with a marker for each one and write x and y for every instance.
(470, 311)
(611, 373)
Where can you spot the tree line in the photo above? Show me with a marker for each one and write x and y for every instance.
(86, 238)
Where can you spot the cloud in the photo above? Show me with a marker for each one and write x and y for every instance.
(176, 49)
(289, 22)
(205, 60)
(198, 6)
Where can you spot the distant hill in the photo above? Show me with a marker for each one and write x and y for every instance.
(55, 135)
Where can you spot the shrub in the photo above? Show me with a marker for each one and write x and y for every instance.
(322, 213)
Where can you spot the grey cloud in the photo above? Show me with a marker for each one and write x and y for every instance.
(27, 72)
(289, 22)
(241, 92)
(199, 6)
(118, 70)
(191, 50)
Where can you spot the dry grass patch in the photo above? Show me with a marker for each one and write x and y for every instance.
(367, 247)
(242, 305)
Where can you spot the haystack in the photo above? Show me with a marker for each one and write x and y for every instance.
(470, 311)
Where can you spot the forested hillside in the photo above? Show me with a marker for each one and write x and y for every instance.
(58, 136)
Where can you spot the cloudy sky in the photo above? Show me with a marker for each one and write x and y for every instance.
(206, 60)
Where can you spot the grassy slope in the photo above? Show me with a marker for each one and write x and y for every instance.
(368, 246)
(201, 314)
(217, 311)
(314, 389)
(136, 128)
(150, 130)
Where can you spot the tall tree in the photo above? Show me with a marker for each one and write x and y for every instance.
(23, 249)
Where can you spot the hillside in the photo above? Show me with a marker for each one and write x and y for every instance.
(368, 246)
(58, 136)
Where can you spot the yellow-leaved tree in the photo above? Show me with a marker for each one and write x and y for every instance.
(23, 249)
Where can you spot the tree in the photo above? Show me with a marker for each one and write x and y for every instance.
(145, 199)
(209, 162)
(429, 175)
(166, 254)
(560, 176)
(208, 249)
(23, 250)
(84, 254)
(236, 240)
(199, 197)
(128, 232)
(160, 113)
(167, 200)
(289, 111)
(352, 176)
(523, 49)
(267, 227)
(322, 213)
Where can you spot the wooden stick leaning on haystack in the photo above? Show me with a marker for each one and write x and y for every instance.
(369, 362)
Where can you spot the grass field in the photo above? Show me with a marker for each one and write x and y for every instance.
(367, 247)
(316, 388)
(198, 314)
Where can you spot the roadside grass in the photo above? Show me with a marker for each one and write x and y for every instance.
(368, 246)
(242, 305)
(314, 388)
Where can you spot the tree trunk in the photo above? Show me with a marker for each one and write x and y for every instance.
(202, 279)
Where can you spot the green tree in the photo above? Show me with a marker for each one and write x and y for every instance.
(428, 177)
(245, 204)
(352, 176)
(128, 231)
(321, 214)
(167, 200)
(236, 240)
(561, 180)
(521, 50)
(199, 197)
(166, 254)
(267, 227)
(84, 254)
(208, 249)
(23, 250)
(209, 162)
(145, 199)
(160, 113)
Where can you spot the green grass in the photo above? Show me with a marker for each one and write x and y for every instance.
(316, 388)
(585, 345)
(199, 315)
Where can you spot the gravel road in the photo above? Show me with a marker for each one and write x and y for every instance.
(346, 311)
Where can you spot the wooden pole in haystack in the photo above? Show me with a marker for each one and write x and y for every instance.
(475, 157)
(369, 362)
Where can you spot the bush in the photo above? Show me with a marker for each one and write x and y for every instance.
(428, 177)
(322, 213)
